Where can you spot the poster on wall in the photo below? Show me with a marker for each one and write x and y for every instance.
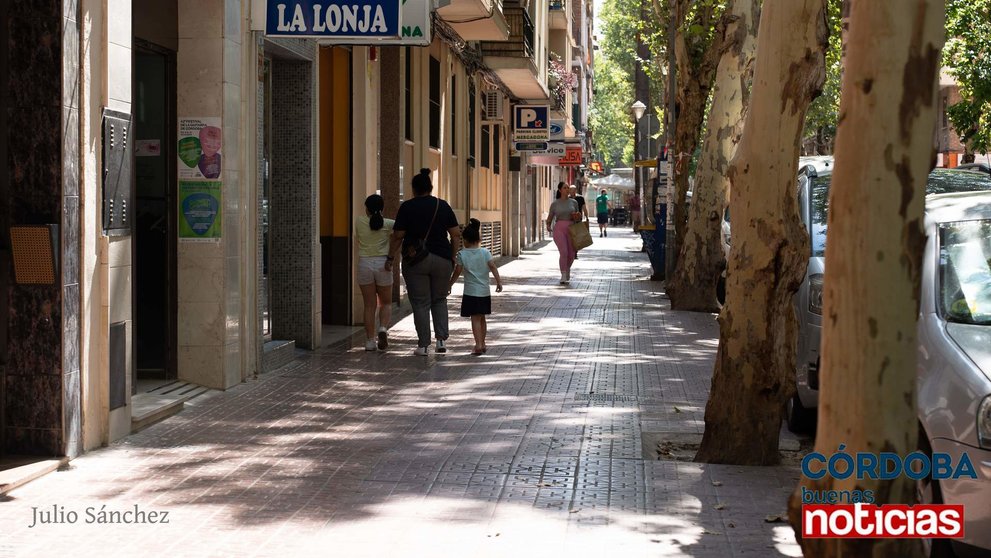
(199, 149)
(199, 210)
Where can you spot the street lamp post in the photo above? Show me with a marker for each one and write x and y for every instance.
(638, 109)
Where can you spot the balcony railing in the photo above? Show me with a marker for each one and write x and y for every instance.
(520, 43)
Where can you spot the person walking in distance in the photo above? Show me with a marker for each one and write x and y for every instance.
(372, 232)
(580, 200)
(423, 225)
(602, 207)
(582, 206)
(635, 211)
(561, 214)
(476, 263)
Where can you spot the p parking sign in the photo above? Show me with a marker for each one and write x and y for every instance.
(531, 123)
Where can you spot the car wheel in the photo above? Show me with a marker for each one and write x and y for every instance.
(927, 492)
(800, 419)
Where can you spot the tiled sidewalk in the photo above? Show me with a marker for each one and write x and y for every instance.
(533, 449)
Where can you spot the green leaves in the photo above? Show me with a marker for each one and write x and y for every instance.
(609, 118)
(967, 55)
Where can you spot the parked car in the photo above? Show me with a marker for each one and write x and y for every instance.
(814, 178)
(954, 368)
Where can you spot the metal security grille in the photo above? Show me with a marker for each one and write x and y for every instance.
(492, 237)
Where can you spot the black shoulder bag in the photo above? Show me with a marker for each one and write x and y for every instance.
(415, 252)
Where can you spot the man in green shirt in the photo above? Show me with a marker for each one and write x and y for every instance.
(602, 207)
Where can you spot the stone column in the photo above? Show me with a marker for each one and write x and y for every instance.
(390, 136)
(209, 294)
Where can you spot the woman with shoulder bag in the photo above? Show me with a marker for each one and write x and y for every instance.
(562, 212)
(423, 224)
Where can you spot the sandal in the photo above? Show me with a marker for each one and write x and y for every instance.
(477, 351)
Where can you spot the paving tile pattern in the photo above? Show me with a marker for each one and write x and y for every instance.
(532, 449)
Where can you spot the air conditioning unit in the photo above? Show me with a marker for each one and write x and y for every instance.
(492, 102)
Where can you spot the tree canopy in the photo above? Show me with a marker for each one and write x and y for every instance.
(821, 119)
(967, 54)
(610, 118)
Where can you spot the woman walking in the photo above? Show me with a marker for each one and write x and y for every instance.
(372, 231)
(564, 210)
(423, 224)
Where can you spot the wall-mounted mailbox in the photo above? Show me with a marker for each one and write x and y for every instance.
(35, 253)
(118, 207)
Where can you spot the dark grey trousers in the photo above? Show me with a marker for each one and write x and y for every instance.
(426, 283)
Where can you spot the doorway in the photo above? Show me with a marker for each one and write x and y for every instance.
(155, 285)
(336, 172)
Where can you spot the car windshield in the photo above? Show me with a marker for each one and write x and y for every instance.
(941, 181)
(944, 181)
(965, 271)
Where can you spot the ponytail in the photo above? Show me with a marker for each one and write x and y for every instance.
(472, 232)
(376, 221)
(375, 204)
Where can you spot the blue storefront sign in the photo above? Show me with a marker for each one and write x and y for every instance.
(332, 18)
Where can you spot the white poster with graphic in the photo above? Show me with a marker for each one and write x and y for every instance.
(199, 149)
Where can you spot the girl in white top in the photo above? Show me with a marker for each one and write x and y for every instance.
(373, 233)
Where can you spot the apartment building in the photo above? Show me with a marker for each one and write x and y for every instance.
(186, 177)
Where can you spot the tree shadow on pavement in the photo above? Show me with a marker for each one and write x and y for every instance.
(533, 447)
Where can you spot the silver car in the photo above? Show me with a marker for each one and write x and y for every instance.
(814, 175)
(954, 379)
(814, 178)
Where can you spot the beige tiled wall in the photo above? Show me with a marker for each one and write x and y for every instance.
(118, 88)
(209, 78)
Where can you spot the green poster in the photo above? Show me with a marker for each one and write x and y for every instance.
(200, 210)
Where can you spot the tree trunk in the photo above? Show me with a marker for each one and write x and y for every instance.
(693, 94)
(755, 364)
(695, 77)
(701, 259)
(874, 254)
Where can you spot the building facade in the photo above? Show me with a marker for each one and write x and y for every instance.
(181, 184)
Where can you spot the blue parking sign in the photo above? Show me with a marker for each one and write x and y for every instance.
(531, 123)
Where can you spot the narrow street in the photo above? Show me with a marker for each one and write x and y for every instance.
(536, 448)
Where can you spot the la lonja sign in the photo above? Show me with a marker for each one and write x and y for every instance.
(337, 19)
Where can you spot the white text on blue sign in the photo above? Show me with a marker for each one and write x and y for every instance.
(333, 18)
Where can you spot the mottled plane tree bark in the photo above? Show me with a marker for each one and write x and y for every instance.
(697, 49)
(701, 260)
(884, 154)
(755, 364)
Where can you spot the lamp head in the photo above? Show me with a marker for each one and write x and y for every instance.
(638, 109)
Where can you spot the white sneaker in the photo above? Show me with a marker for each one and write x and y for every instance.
(420, 351)
(564, 279)
(441, 348)
(370, 345)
